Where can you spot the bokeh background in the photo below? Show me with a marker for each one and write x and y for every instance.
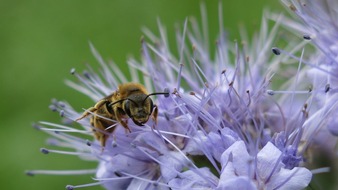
(40, 41)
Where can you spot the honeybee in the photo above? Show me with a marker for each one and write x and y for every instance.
(129, 100)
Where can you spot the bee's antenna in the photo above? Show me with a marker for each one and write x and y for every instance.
(112, 103)
(166, 93)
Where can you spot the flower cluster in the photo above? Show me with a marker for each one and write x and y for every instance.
(228, 123)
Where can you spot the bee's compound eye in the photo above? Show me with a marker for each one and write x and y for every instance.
(151, 105)
(127, 107)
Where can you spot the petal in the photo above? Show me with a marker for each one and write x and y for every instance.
(172, 165)
(297, 178)
(151, 141)
(193, 180)
(193, 147)
(240, 182)
(267, 161)
(240, 158)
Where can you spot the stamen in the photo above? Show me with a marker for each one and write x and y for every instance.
(304, 62)
(60, 126)
(181, 53)
(174, 134)
(61, 172)
(320, 170)
(47, 151)
(144, 179)
(119, 177)
(71, 187)
(179, 150)
(57, 131)
(273, 92)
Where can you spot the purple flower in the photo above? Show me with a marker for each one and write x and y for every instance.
(265, 171)
(227, 123)
(316, 24)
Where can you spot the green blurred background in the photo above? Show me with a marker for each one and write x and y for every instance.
(40, 41)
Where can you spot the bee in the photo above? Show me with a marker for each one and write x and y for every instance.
(130, 100)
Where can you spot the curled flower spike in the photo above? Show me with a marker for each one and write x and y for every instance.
(223, 122)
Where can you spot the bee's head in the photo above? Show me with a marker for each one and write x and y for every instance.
(140, 106)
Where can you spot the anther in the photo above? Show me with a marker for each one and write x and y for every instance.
(276, 51)
(62, 113)
(72, 71)
(29, 173)
(36, 126)
(306, 37)
(293, 8)
(118, 173)
(69, 187)
(248, 92)
(206, 84)
(192, 93)
(224, 70)
(61, 104)
(53, 108)
(44, 150)
(88, 143)
(114, 144)
(231, 83)
(270, 92)
(193, 47)
(133, 145)
(327, 88)
(86, 74)
(305, 106)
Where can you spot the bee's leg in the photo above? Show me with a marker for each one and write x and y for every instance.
(118, 117)
(154, 115)
(97, 106)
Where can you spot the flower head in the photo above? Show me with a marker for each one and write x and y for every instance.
(222, 125)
